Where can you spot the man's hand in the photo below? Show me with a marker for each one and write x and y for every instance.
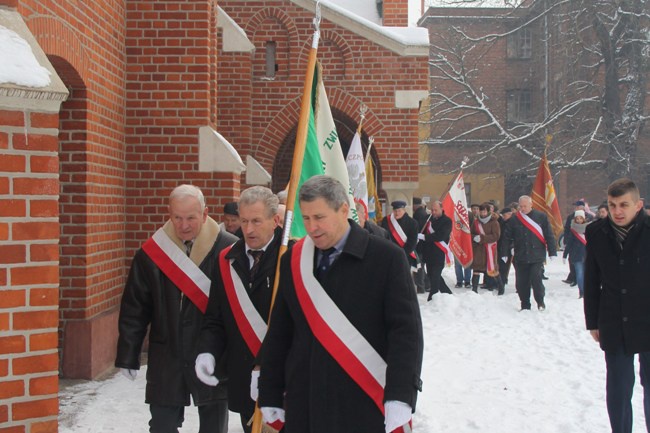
(477, 238)
(129, 373)
(504, 259)
(204, 368)
(421, 236)
(595, 334)
(398, 414)
(255, 375)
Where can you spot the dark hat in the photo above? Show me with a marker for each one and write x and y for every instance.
(506, 210)
(231, 208)
(417, 200)
(579, 203)
(398, 204)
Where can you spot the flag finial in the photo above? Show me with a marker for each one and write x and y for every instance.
(464, 162)
(317, 17)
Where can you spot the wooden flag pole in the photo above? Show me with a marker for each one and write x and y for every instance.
(298, 156)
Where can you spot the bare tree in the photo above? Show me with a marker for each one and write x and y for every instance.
(586, 83)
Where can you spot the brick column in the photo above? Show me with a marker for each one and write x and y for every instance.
(29, 269)
(396, 13)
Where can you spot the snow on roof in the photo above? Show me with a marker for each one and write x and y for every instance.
(406, 41)
(363, 8)
(19, 65)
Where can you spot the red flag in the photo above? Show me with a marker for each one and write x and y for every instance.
(545, 199)
(455, 206)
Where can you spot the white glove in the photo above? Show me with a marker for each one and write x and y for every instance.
(204, 368)
(421, 236)
(272, 414)
(255, 375)
(504, 259)
(129, 373)
(397, 413)
(477, 238)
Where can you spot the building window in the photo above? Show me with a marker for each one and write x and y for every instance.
(271, 64)
(520, 44)
(519, 106)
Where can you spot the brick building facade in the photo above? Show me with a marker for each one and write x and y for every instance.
(146, 95)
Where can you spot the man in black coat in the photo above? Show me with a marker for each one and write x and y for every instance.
(403, 230)
(617, 298)
(172, 307)
(346, 312)
(227, 320)
(434, 239)
(531, 234)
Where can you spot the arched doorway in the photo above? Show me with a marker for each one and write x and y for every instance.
(346, 127)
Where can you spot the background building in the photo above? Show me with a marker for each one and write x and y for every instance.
(144, 95)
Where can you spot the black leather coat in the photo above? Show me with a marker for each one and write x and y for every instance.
(150, 299)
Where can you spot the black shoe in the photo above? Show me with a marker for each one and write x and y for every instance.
(458, 285)
(544, 277)
(568, 281)
(524, 309)
(573, 284)
(468, 285)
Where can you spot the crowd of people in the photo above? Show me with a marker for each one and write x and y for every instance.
(205, 293)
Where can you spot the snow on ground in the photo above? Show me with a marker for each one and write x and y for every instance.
(488, 368)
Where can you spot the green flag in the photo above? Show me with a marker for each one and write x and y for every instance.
(312, 165)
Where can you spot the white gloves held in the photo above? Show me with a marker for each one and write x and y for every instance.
(204, 368)
(129, 373)
(504, 259)
(255, 375)
(421, 236)
(272, 415)
(477, 238)
(397, 414)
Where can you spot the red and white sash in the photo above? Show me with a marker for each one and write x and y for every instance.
(440, 244)
(249, 321)
(581, 236)
(398, 233)
(334, 331)
(182, 271)
(490, 251)
(532, 226)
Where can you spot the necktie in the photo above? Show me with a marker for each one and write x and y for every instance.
(257, 257)
(188, 247)
(324, 264)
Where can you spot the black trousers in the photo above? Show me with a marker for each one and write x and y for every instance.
(213, 418)
(434, 271)
(620, 383)
(504, 269)
(527, 275)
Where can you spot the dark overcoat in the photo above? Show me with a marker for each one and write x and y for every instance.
(220, 332)
(410, 227)
(441, 232)
(528, 247)
(492, 233)
(152, 299)
(617, 286)
(371, 284)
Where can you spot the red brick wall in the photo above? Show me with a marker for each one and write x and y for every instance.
(356, 71)
(29, 271)
(171, 49)
(395, 13)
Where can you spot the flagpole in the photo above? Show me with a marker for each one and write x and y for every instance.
(463, 163)
(298, 156)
